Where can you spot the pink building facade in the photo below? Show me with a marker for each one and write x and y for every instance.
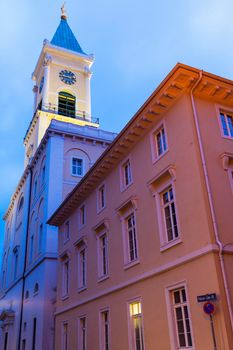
(149, 228)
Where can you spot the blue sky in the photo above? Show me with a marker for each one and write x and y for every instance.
(135, 44)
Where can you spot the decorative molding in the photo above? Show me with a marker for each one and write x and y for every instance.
(168, 171)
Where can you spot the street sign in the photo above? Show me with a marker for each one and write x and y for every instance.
(209, 308)
(206, 297)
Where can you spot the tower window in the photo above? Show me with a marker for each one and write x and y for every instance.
(66, 104)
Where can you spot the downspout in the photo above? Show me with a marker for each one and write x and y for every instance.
(213, 216)
(25, 261)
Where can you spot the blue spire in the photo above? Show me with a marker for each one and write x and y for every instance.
(64, 37)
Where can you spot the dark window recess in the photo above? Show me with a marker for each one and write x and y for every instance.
(66, 104)
(6, 341)
(40, 105)
(34, 335)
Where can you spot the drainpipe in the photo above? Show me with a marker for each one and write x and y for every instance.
(213, 216)
(25, 262)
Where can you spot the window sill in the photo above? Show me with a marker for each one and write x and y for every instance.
(131, 264)
(99, 210)
(103, 278)
(82, 289)
(170, 244)
(65, 297)
(227, 137)
(156, 159)
(76, 175)
(124, 188)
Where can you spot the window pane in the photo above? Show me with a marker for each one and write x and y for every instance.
(224, 124)
(230, 124)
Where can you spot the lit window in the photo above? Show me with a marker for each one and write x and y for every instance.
(66, 104)
(136, 326)
(182, 319)
(161, 142)
(105, 330)
(65, 336)
(67, 231)
(77, 167)
(169, 212)
(101, 197)
(66, 277)
(131, 237)
(82, 339)
(82, 267)
(227, 124)
(103, 255)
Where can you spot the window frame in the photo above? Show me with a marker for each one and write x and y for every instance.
(102, 334)
(123, 183)
(81, 265)
(174, 342)
(153, 141)
(131, 326)
(101, 197)
(82, 341)
(64, 334)
(82, 216)
(83, 166)
(225, 113)
(65, 277)
(164, 243)
(125, 211)
(100, 256)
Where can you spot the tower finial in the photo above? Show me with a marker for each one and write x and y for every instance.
(63, 11)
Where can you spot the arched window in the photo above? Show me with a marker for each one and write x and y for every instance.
(20, 207)
(66, 104)
(36, 288)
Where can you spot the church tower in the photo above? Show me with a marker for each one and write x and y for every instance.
(62, 86)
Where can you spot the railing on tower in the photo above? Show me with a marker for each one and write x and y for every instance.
(66, 112)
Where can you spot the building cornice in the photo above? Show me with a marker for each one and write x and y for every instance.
(180, 80)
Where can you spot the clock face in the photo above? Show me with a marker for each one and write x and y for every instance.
(41, 84)
(67, 77)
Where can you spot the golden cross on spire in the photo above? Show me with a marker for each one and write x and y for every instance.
(63, 11)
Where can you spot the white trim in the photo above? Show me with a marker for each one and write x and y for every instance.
(123, 185)
(99, 208)
(83, 166)
(153, 144)
(171, 321)
(130, 323)
(80, 337)
(101, 328)
(210, 248)
(99, 236)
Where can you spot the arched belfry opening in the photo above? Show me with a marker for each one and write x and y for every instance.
(66, 104)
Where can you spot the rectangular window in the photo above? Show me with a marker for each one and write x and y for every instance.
(16, 264)
(103, 255)
(82, 339)
(169, 212)
(67, 231)
(105, 330)
(227, 124)
(43, 175)
(82, 267)
(127, 176)
(34, 334)
(136, 326)
(35, 188)
(82, 215)
(77, 167)
(65, 336)
(181, 318)
(101, 198)
(66, 277)
(161, 142)
(40, 237)
(131, 237)
(24, 344)
(31, 247)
